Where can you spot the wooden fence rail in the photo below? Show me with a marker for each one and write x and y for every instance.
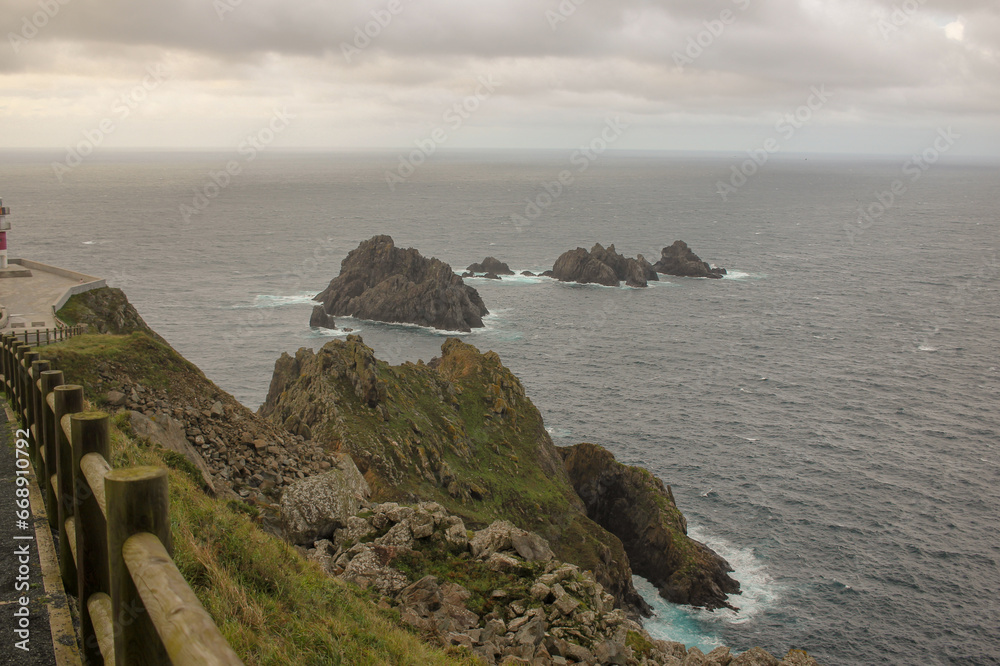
(44, 336)
(113, 525)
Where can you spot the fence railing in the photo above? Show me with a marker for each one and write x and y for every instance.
(44, 336)
(113, 524)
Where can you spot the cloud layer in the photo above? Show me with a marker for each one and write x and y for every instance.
(688, 74)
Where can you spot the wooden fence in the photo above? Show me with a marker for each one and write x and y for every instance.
(44, 336)
(113, 524)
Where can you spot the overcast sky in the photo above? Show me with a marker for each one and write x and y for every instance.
(880, 76)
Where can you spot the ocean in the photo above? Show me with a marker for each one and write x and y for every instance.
(826, 414)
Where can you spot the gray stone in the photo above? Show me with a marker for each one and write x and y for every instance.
(169, 433)
(719, 657)
(217, 409)
(798, 658)
(312, 508)
(754, 657)
(116, 398)
(695, 657)
(531, 547)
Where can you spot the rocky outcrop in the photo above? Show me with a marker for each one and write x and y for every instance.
(105, 310)
(459, 431)
(381, 282)
(602, 266)
(501, 595)
(636, 507)
(312, 508)
(320, 319)
(490, 265)
(169, 434)
(678, 259)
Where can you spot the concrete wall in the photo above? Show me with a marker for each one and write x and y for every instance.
(86, 282)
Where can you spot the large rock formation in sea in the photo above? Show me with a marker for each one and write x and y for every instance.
(678, 259)
(381, 282)
(602, 266)
(635, 506)
(490, 265)
(459, 431)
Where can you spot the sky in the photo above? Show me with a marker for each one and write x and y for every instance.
(825, 76)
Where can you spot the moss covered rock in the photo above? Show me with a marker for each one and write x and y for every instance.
(459, 431)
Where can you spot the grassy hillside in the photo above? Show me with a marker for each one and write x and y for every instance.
(272, 605)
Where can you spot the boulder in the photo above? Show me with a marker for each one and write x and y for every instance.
(601, 266)
(798, 658)
(680, 260)
(169, 433)
(320, 319)
(314, 507)
(502, 535)
(381, 282)
(754, 657)
(490, 265)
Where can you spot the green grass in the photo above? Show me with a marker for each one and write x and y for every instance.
(272, 606)
(86, 359)
(435, 559)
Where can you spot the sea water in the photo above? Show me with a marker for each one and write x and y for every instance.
(826, 414)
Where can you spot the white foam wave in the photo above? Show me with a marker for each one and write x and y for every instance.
(741, 275)
(926, 348)
(271, 301)
(694, 626)
(759, 590)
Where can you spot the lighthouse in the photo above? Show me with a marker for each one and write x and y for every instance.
(4, 228)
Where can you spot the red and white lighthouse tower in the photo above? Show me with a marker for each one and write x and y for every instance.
(4, 228)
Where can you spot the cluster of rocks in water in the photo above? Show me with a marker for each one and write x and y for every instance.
(518, 605)
(381, 282)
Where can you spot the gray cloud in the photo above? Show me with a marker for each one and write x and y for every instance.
(885, 64)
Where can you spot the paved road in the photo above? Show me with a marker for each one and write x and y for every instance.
(29, 299)
(40, 650)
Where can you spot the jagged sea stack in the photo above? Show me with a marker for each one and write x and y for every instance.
(381, 282)
(602, 266)
(679, 260)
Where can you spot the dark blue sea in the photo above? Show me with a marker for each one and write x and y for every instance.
(827, 415)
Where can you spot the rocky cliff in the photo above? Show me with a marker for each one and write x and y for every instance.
(381, 282)
(635, 506)
(602, 266)
(680, 260)
(458, 431)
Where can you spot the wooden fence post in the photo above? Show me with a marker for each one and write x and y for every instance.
(138, 501)
(5, 344)
(68, 400)
(18, 375)
(37, 420)
(29, 394)
(50, 380)
(90, 435)
(3, 361)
